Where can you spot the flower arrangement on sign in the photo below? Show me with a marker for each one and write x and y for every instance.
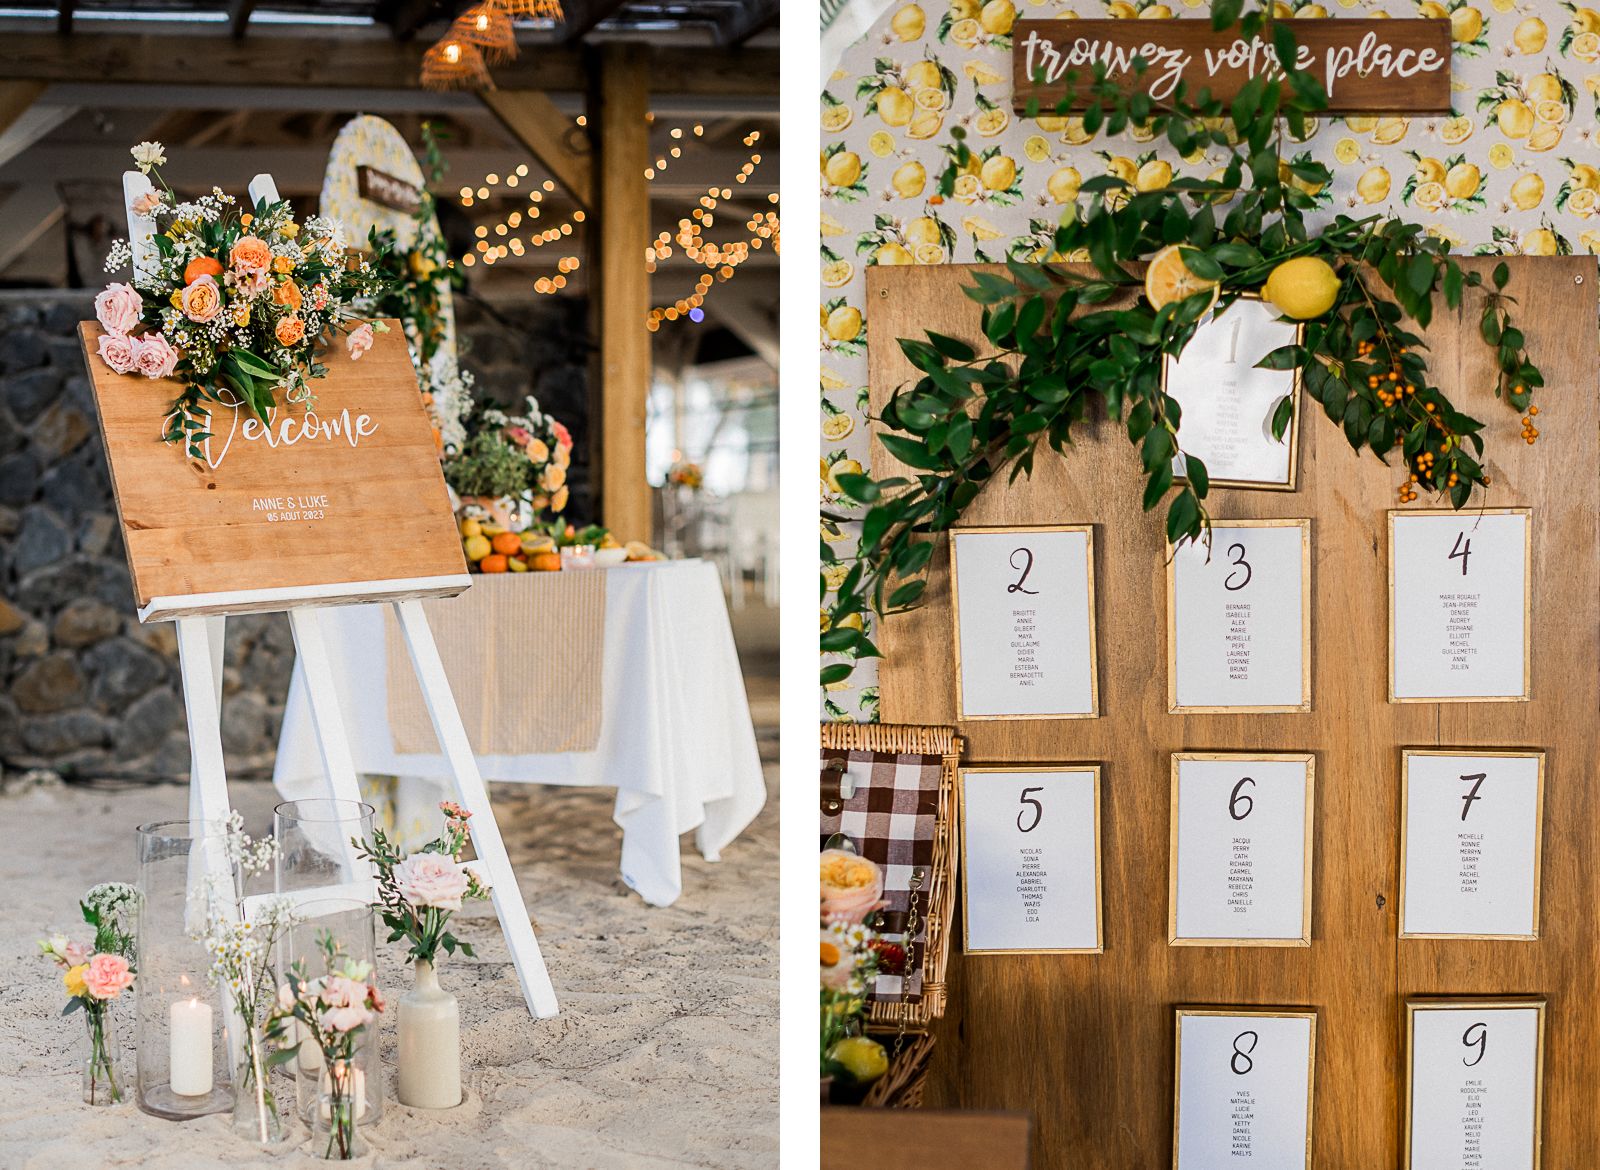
(419, 892)
(96, 976)
(512, 457)
(1056, 348)
(239, 303)
(852, 956)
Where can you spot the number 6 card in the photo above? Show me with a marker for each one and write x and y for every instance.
(1239, 619)
(1030, 859)
(1460, 612)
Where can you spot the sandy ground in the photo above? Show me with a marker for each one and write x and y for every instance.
(664, 1054)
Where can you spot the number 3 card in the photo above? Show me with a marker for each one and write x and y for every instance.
(1470, 832)
(1459, 606)
(1239, 619)
(1024, 613)
(1030, 860)
(1244, 1085)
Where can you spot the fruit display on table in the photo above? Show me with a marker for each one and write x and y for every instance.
(491, 547)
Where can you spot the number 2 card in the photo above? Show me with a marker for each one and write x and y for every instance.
(1030, 859)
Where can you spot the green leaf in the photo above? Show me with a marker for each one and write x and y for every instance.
(1281, 417)
(1197, 475)
(1502, 275)
(1183, 516)
(836, 673)
(861, 488)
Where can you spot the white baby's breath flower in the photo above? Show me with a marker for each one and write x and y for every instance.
(149, 154)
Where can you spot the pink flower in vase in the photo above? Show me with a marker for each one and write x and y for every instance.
(431, 880)
(118, 308)
(359, 341)
(117, 351)
(154, 357)
(108, 976)
(519, 436)
(563, 436)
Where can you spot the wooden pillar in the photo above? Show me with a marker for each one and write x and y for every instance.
(620, 287)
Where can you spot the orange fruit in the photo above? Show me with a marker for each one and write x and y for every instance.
(201, 266)
(507, 544)
(547, 562)
(494, 563)
(1168, 278)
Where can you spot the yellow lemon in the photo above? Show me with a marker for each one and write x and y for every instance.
(998, 173)
(1153, 176)
(1590, 240)
(1373, 187)
(1219, 196)
(930, 98)
(1462, 180)
(1529, 36)
(837, 273)
(1064, 184)
(1543, 87)
(1527, 192)
(1169, 279)
(831, 533)
(1455, 131)
(1553, 112)
(1430, 170)
(836, 118)
(844, 467)
(1540, 243)
(862, 1057)
(983, 74)
(1361, 124)
(842, 169)
(1432, 10)
(1121, 10)
(1388, 131)
(1584, 175)
(1075, 134)
(923, 74)
(891, 254)
(1583, 202)
(1302, 288)
(992, 122)
(1465, 25)
(476, 547)
(895, 106)
(1586, 20)
(930, 254)
(881, 143)
(1311, 12)
(965, 32)
(967, 189)
(1141, 131)
(924, 230)
(1500, 156)
(997, 17)
(965, 9)
(1050, 123)
(1545, 136)
(1036, 149)
(831, 226)
(844, 323)
(1347, 150)
(1155, 12)
(1586, 46)
(470, 526)
(1429, 196)
(925, 125)
(979, 228)
(909, 179)
(833, 575)
(1514, 118)
(1281, 10)
(829, 377)
(1503, 5)
(1122, 167)
(908, 22)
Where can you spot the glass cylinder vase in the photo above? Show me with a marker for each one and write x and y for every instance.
(342, 927)
(103, 1081)
(182, 1049)
(317, 852)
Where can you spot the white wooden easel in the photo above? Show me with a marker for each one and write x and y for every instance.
(201, 621)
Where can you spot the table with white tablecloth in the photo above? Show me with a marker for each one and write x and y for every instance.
(674, 735)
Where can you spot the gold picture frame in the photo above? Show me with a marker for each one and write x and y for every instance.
(1174, 939)
(1248, 1013)
(1173, 706)
(966, 873)
(1538, 835)
(1527, 605)
(1094, 634)
(1295, 394)
(1416, 1004)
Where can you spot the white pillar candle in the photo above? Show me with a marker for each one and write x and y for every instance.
(191, 1048)
(356, 1091)
(308, 1055)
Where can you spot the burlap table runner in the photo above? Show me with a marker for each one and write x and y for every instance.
(523, 654)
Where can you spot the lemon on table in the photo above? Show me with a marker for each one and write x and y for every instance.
(881, 143)
(1064, 185)
(476, 547)
(895, 106)
(863, 1058)
(1302, 288)
(844, 323)
(1169, 279)
(1500, 156)
(1347, 150)
(998, 173)
(1430, 170)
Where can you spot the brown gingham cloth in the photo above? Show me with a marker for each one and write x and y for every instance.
(890, 818)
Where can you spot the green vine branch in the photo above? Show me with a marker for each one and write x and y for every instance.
(1085, 332)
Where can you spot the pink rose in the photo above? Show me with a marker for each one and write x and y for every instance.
(359, 341)
(153, 356)
(202, 299)
(851, 886)
(431, 880)
(147, 203)
(563, 436)
(108, 976)
(118, 308)
(117, 351)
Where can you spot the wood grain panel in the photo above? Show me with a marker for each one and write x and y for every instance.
(194, 527)
(1085, 1042)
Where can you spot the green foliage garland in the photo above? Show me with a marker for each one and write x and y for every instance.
(1057, 348)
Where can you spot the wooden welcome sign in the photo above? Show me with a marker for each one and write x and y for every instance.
(1365, 66)
(337, 503)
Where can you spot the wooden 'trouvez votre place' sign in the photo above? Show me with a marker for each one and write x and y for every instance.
(1365, 66)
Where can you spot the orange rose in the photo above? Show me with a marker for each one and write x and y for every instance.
(202, 299)
(201, 266)
(251, 254)
(290, 330)
(287, 293)
(282, 265)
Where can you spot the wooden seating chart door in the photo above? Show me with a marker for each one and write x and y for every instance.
(1085, 1041)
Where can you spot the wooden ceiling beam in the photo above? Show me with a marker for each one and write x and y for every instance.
(16, 99)
(582, 16)
(239, 12)
(554, 139)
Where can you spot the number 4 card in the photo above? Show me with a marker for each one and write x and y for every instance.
(1239, 619)
(1030, 859)
(1460, 612)
(1470, 828)
(1244, 1086)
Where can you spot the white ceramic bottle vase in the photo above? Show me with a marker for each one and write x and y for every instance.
(430, 1043)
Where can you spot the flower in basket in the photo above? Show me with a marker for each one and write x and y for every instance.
(418, 893)
(852, 886)
(238, 302)
(95, 976)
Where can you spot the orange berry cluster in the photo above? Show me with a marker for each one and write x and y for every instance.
(1387, 386)
(1530, 433)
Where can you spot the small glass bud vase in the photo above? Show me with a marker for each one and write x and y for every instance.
(259, 1093)
(430, 1043)
(103, 1082)
(341, 1109)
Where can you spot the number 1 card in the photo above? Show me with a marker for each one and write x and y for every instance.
(1030, 860)
(1460, 606)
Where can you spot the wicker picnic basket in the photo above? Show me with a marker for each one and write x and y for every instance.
(890, 789)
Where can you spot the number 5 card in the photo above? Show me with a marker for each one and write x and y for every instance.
(1460, 612)
(1239, 619)
(1030, 859)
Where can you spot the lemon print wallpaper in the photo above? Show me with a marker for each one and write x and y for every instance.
(1516, 169)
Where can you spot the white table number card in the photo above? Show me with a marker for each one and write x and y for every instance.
(1228, 401)
(1244, 1087)
(1030, 860)
(1240, 867)
(1470, 833)
(1474, 1084)
(1024, 614)
(1460, 605)
(1239, 619)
